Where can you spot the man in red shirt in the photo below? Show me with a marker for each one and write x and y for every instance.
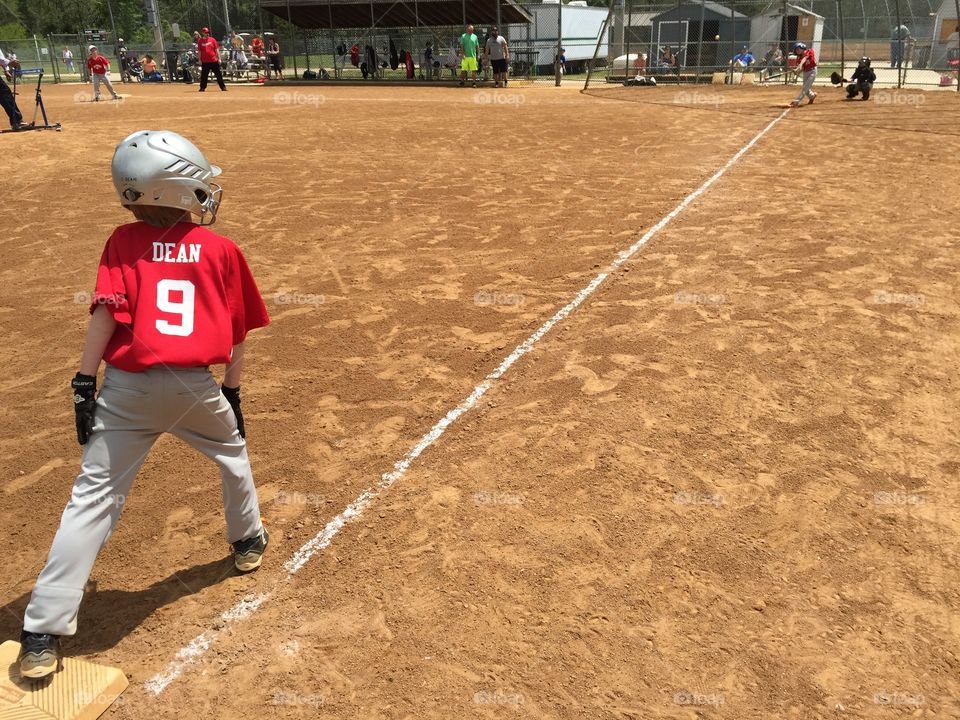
(171, 299)
(209, 59)
(806, 66)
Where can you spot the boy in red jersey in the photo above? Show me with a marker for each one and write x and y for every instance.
(99, 68)
(171, 299)
(806, 66)
(208, 48)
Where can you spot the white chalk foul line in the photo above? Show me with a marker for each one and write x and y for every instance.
(197, 647)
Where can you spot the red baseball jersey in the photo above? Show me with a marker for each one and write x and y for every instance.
(183, 296)
(208, 50)
(98, 64)
(808, 59)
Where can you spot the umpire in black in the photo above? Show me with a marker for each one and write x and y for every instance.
(7, 99)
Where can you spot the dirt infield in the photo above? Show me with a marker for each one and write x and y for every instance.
(724, 487)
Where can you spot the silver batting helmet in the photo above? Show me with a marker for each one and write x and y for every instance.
(164, 169)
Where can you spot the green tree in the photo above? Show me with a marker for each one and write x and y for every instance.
(13, 31)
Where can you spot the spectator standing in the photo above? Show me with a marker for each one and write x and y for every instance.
(468, 56)
(898, 40)
(273, 53)
(207, 47)
(497, 52)
(428, 60)
(68, 60)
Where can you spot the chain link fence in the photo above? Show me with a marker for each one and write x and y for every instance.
(737, 43)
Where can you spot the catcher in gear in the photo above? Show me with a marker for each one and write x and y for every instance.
(862, 80)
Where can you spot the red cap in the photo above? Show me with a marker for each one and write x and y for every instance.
(205, 30)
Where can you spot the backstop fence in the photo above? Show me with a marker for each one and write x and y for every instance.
(915, 43)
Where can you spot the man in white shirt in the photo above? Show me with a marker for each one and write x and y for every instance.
(498, 52)
(7, 100)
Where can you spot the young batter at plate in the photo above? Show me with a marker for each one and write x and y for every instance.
(99, 68)
(172, 298)
(806, 66)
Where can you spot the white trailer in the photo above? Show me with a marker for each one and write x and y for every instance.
(802, 25)
(535, 43)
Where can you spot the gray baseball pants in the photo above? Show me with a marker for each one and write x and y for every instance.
(807, 90)
(105, 80)
(133, 411)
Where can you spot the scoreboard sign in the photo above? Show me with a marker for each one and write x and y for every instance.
(96, 35)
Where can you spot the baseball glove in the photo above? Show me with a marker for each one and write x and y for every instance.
(836, 78)
(233, 397)
(84, 402)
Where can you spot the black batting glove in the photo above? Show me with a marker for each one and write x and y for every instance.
(233, 397)
(84, 402)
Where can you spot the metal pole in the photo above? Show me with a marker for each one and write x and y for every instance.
(498, 16)
(333, 41)
(626, 34)
(784, 28)
(957, 4)
(703, 18)
(158, 29)
(226, 17)
(733, 41)
(54, 63)
(843, 50)
(596, 50)
(113, 24)
(293, 44)
(556, 70)
(899, 49)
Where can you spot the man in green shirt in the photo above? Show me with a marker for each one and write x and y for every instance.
(468, 56)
